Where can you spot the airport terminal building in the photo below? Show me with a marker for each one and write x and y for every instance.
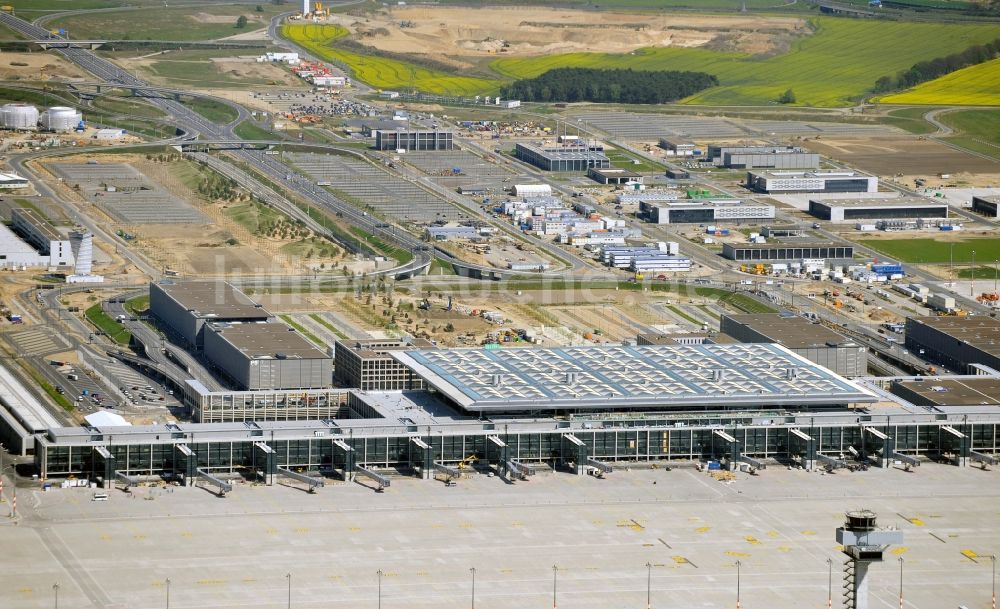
(184, 307)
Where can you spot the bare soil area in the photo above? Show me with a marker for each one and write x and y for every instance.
(510, 31)
(38, 66)
(907, 157)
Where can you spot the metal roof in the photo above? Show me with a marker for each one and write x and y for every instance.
(268, 341)
(213, 299)
(613, 377)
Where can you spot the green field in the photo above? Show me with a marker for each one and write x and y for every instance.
(175, 23)
(382, 72)
(934, 251)
(111, 328)
(215, 111)
(910, 119)
(624, 159)
(979, 130)
(977, 85)
(981, 272)
(250, 130)
(201, 68)
(838, 63)
(126, 106)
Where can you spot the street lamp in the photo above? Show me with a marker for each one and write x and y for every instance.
(649, 583)
(55, 588)
(168, 592)
(972, 288)
(473, 571)
(379, 573)
(829, 585)
(288, 576)
(993, 559)
(996, 273)
(900, 582)
(738, 564)
(555, 572)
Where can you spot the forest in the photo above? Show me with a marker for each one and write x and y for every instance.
(609, 86)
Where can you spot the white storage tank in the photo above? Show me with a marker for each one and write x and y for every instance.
(18, 116)
(60, 118)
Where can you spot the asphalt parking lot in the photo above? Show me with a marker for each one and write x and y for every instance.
(425, 537)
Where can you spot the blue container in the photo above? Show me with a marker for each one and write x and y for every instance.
(714, 465)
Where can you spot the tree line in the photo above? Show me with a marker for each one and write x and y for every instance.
(939, 66)
(614, 86)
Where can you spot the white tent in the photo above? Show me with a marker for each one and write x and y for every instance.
(106, 419)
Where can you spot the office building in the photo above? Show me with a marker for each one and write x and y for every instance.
(413, 140)
(12, 181)
(762, 252)
(614, 176)
(986, 206)
(854, 210)
(762, 157)
(785, 182)
(679, 148)
(703, 211)
(40, 234)
(572, 157)
(367, 364)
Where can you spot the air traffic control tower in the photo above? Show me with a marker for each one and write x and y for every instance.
(864, 544)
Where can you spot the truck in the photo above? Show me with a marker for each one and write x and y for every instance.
(14, 318)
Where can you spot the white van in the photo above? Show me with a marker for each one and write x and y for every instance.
(100, 497)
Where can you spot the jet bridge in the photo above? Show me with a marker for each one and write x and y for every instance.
(982, 458)
(516, 469)
(951, 441)
(421, 457)
(313, 483)
(572, 450)
(907, 460)
(223, 486)
(802, 445)
(382, 481)
(881, 447)
(733, 454)
(450, 473)
(185, 464)
(830, 462)
(128, 481)
(496, 450)
(346, 458)
(264, 462)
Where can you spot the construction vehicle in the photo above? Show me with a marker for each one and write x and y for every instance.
(7, 9)
(425, 305)
(467, 462)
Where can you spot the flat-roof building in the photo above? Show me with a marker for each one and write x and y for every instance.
(185, 307)
(413, 140)
(612, 378)
(955, 342)
(781, 182)
(811, 340)
(988, 206)
(959, 391)
(613, 175)
(687, 211)
(367, 364)
(39, 233)
(265, 355)
(781, 251)
(563, 158)
(678, 148)
(854, 210)
(763, 157)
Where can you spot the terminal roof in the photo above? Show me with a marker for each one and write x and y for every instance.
(614, 377)
(955, 392)
(793, 332)
(980, 331)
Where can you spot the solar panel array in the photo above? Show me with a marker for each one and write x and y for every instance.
(135, 199)
(387, 194)
(651, 374)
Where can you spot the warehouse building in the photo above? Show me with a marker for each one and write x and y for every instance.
(811, 340)
(614, 176)
(955, 342)
(954, 391)
(854, 210)
(763, 157)
(564, 158)
(39, 233)
(786, 182)
(185, 307)
(367, 364)
(759, 252)
(16, 253)
(613, 378)
(256, 356)
(414, 140)
(988, 206)
(703, 211)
